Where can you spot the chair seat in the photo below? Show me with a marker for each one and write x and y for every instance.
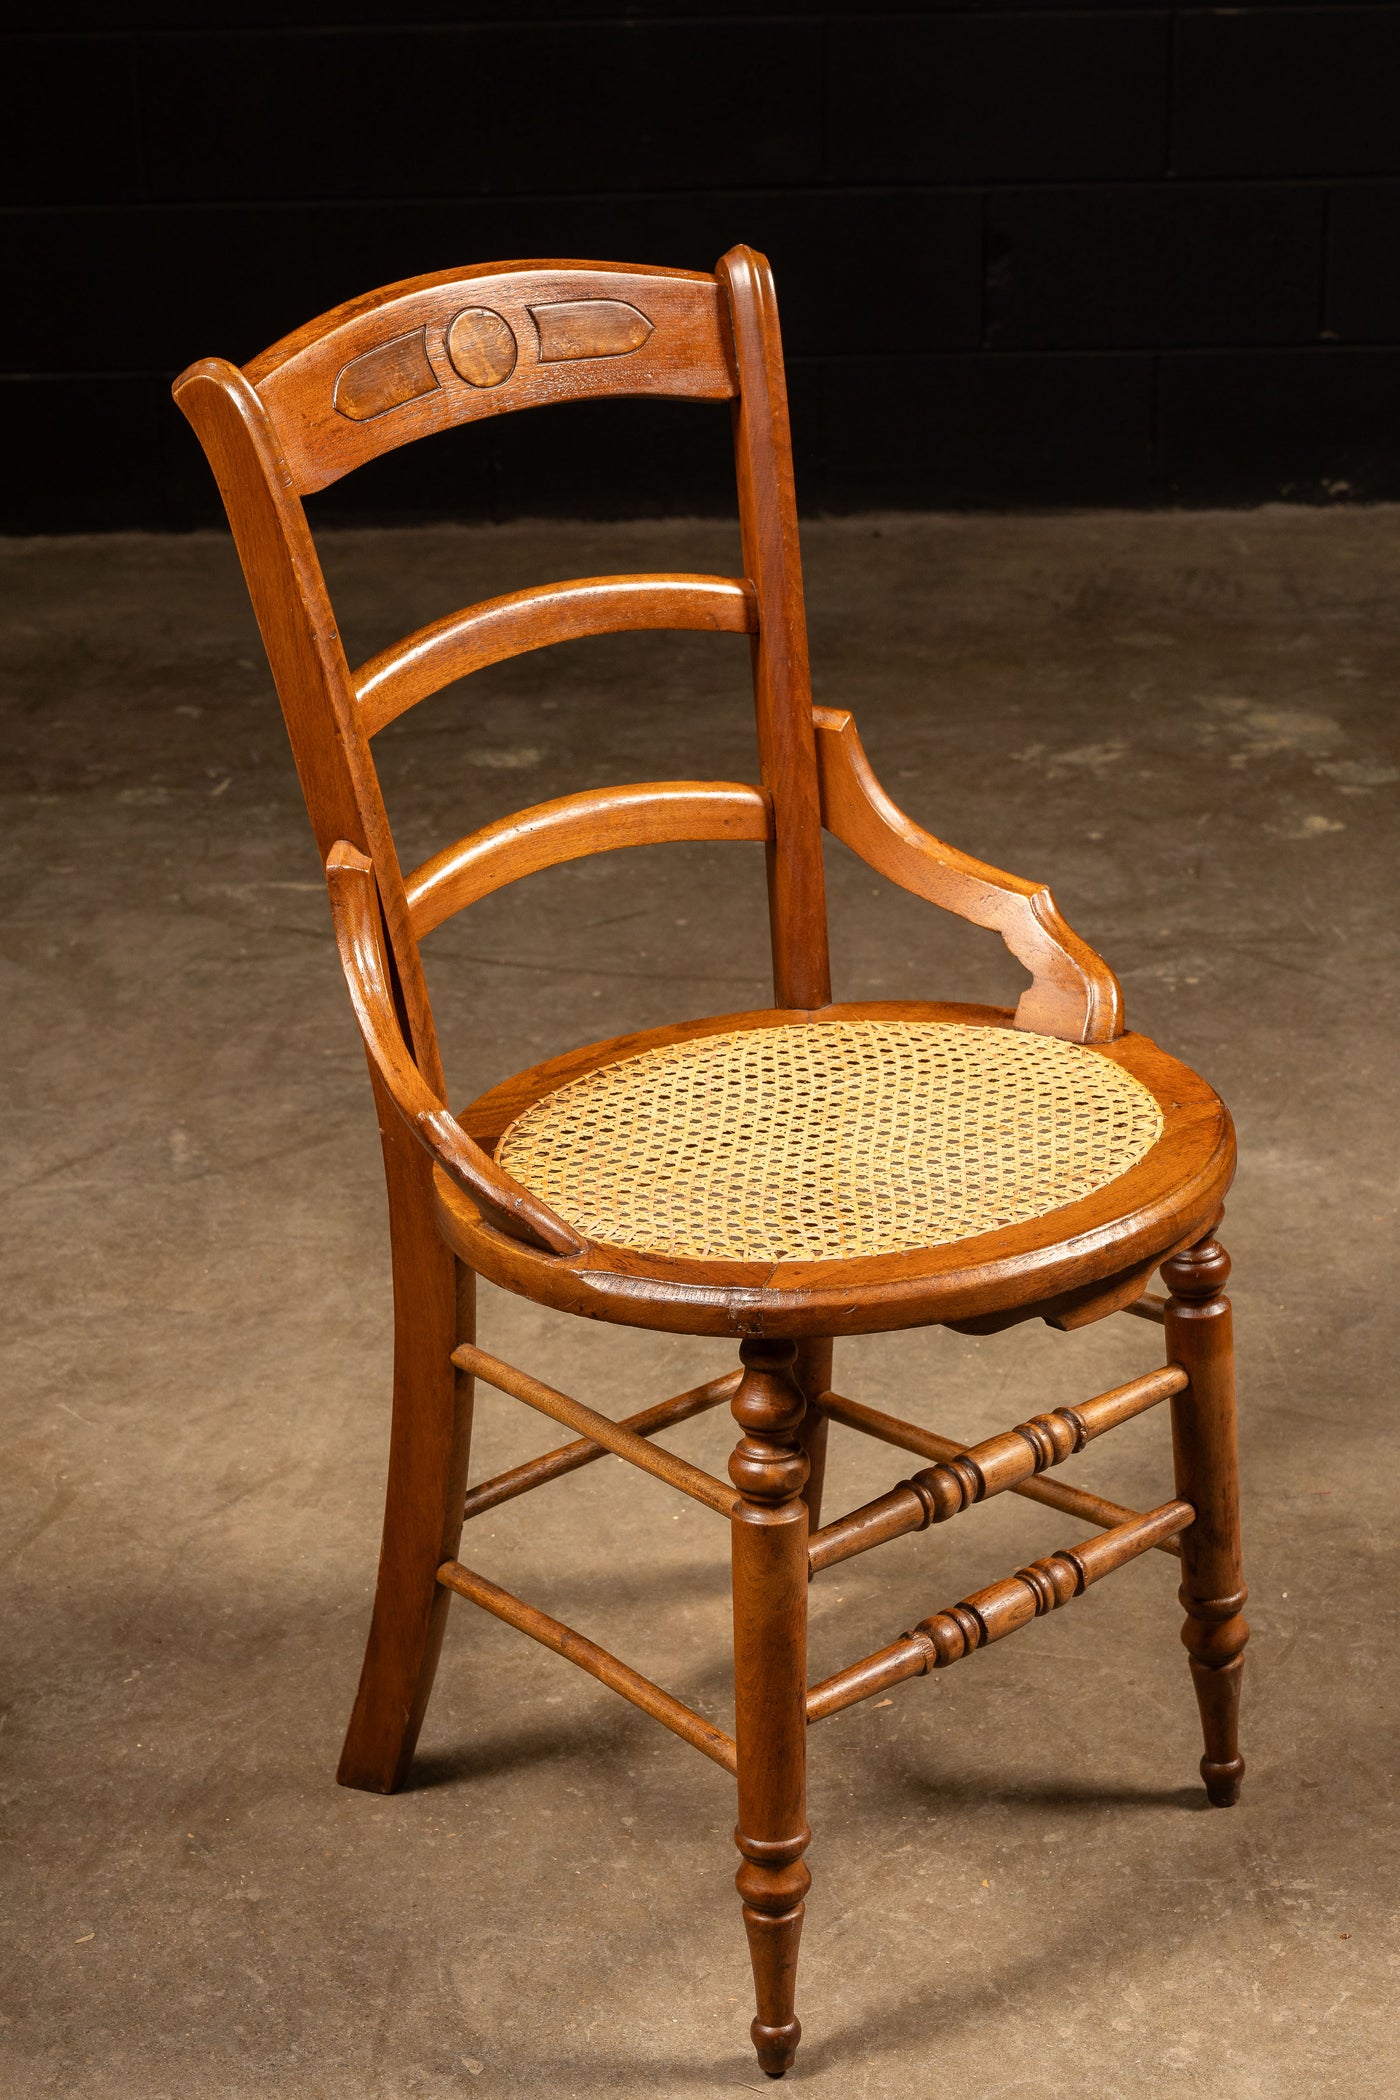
(893, 1155)
(828, 1140)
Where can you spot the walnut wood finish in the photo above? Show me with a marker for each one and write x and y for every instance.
(782, 681)
(1023, 1271)
(769, 1468)
(623, 1443)
(575, 1648)
(429, 1448)
(424, 662)
(602, 820)
(990, 1614)
(1072, 992)
(1199, 1336)
(1148, 1307)
(420, 387)
(1055, 1494)
(420, 356)
(298, 628)
(989, 1468)
(553, 1465)
(510, 1208)
(811, 1369)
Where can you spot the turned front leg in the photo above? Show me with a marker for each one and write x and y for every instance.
(1199, 1338)
(769, 1468)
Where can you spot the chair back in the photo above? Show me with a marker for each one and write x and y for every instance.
(418, 357)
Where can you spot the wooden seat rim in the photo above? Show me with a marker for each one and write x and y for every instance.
(1173, 1193)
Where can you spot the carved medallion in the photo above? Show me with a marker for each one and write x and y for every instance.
(384, 378)
(481, 345)
(589, 328)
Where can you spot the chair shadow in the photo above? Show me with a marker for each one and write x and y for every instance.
(604, 1734)
(1064, 1795)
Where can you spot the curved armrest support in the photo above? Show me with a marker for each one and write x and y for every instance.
(1072, 993)
(502, 1200)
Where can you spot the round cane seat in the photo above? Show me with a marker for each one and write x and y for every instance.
(830, 1141)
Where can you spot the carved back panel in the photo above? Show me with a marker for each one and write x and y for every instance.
(450, 348)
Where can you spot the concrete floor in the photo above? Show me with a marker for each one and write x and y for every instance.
(1187, 725)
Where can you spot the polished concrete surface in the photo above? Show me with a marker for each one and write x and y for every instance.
(1187, 725)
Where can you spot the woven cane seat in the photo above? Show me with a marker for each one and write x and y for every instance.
(830, 1141)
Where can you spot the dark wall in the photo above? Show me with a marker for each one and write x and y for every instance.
(1033, 255)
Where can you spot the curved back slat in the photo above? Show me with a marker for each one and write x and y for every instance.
(430, 352)
(600, 821)
(423, 663)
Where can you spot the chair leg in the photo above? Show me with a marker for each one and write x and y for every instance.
(1199, 1337)
(434, 1306)
(812, 1371)
(769, 1468)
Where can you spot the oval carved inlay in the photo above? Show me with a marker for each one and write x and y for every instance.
(481, 345)
(384, 378)
(589, 328)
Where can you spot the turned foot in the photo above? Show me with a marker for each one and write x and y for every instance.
(1199, 1337)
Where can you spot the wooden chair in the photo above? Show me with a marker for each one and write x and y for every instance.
(783, 1177)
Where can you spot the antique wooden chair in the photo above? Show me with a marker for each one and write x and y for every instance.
(784, 1177)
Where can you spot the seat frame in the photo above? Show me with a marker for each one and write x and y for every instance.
(417, 357)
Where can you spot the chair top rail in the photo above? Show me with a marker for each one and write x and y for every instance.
(462, 642)
(430, 352)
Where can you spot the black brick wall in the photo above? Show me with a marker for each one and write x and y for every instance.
(1032, 254)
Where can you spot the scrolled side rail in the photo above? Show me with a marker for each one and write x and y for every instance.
(502, 1201)
(1072, 993)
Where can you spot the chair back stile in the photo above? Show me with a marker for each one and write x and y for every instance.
(293, 608)
(431, 352)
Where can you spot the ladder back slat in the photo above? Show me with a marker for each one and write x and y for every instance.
(602, 820)
(424, 662)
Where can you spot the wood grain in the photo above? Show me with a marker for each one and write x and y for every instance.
(990, 1614)
(684, 355)
(294, 615)
(553, 1465)
(682, 1720)
(1160, 1204)
(417, 357)
(906, 1436)
(988, 1468)
(769, 1546)
(782, 680)
(1199, 1334)
(429, 1447)
(1072, 994)
(499, 628)
(384, 378)
(602, 820)
(622, 1442)
(507, 1207)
